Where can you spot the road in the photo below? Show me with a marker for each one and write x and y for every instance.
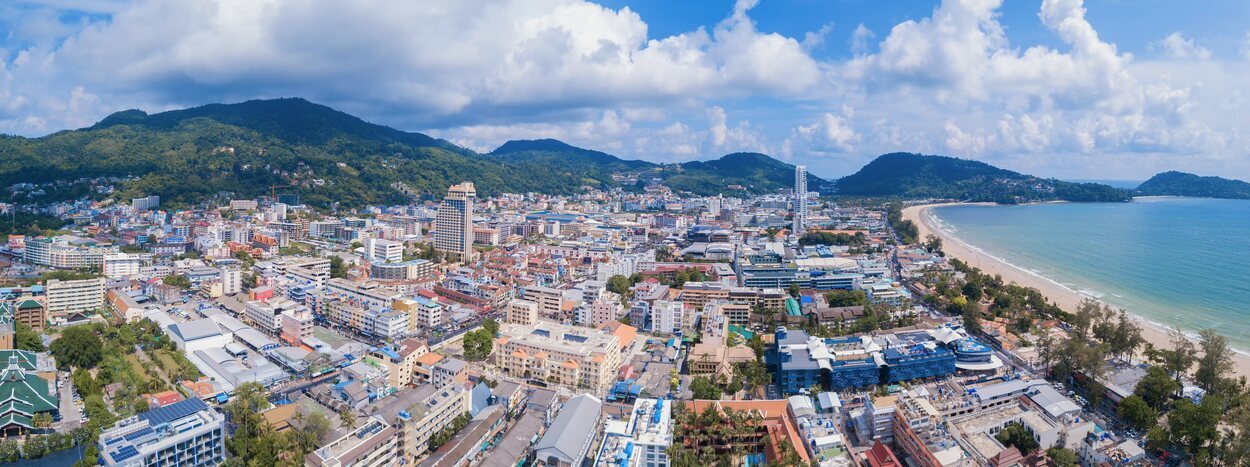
(69, 410)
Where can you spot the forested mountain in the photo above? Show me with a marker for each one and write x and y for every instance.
(1174, 183)
(325, 155)
(755, 172)
(923, 176)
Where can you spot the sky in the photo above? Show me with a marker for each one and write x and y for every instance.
(1112, 89)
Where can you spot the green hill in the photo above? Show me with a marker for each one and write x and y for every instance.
(921, 176)
(755, 172)
(1174, 183)
(327, 156)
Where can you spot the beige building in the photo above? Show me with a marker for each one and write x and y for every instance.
(400, 361)
(421, 412)
(65, 297)
(559, 354)
(549, 301)
(522, 312)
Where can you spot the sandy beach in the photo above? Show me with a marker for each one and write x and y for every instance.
(1064, 297)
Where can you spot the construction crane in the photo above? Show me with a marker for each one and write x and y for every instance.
(273, 191)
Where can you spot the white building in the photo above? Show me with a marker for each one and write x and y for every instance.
(385, 251)
(667, 317)
(453, 226)
(122, 265)
(267, 316)
(231, 281)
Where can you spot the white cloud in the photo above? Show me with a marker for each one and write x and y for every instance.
(479, 72)
(1177, 46)
(860, 38)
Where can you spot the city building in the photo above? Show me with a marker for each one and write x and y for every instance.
(453, 226)
(570, 436)
(373, 444)
(183, 433)
(418, 413)
(800, 199)
(231, 280)
(851, 362)
(122, 265)
(641, 441)
(266, 316)
(384, 251)
(522, 312)
(554, 353)
(74, 296)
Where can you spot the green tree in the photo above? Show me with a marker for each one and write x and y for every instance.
(42, 420)
(704, 389)
(619, 284)
(1216, 360)
(337, 268)
(1195, 427)
(491, 326)
(25, 338)
(1014, 434)
(177, 281)
(78, 346)
(972, 318)
(837, 298)
(1062, 456)
(10, 451)
(1137, 413)
(1157, 387)
(478, 344)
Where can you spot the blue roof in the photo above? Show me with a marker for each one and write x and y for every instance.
(171, 412)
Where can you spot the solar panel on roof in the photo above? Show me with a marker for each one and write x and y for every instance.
(123, 453)
(138, 434)
(166, 414)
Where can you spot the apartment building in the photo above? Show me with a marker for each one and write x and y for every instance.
(231, 281)
(550, 301)
(373, 444)
(400, 360)
(384, 251)
(183, 433)
(74, 296)
(122, 265)
(419, 413)
(560, 354)
(522, 312)
(266, 316)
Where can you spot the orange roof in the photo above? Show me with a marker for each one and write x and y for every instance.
(519, 353)
(429, 359)
(542, 355)
(570, 364)
(597, 359)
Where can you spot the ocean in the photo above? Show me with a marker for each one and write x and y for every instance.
(1173, 261)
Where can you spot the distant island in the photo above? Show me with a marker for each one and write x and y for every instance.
(1174, 183)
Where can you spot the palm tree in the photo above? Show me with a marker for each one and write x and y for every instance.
(347, 419)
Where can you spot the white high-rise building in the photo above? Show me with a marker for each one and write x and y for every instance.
(453, 226)
(800, 199)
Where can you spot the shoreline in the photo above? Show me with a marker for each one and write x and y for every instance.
(954, 247)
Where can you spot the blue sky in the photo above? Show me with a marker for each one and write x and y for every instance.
(1113, 89)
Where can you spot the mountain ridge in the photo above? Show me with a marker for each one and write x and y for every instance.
(330, 157)
(929, 176)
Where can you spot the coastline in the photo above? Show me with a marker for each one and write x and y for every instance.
(1066, 298)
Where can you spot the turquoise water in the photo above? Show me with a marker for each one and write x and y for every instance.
(1174, 261)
